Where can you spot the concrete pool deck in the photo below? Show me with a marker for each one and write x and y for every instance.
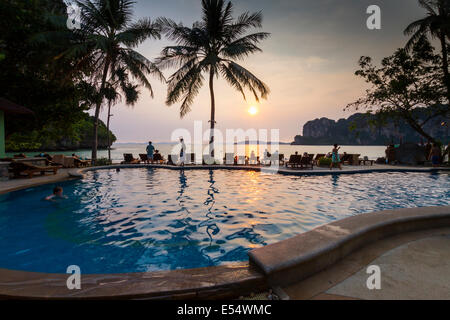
(414, 266)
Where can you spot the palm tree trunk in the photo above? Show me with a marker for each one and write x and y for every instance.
(445, 63)
(107, 131)
(97, 113)
(213, 112)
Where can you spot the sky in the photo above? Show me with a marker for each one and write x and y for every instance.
(308, 62)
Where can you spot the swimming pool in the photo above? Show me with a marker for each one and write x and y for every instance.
(145, 219)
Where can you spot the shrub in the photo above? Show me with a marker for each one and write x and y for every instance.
(324, 161)
(103, 162)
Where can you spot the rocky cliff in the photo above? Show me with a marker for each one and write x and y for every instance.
(363, 129)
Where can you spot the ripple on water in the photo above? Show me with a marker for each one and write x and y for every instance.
(153, 219)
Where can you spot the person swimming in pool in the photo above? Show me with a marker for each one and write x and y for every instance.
(57, 194)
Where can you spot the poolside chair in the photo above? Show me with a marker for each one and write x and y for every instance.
(172, 159)
(345, 158)
(144, 158)
(294, 161)
(307, 161)
(366, 160)
(241, 160)
(281, 159)
(190, 158)
(229, 159)
(81, 163)
(129, 159)
(158, 158)
(253, 160)
(58, 159)
(19, 168)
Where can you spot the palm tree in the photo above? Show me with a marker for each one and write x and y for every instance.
(212, 46)
(437, 25)
(116, 88)
(105, 42)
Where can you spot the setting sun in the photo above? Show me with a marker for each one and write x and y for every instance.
(253, 110)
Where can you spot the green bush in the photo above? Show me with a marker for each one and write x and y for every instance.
(324, 161)
(103, 162)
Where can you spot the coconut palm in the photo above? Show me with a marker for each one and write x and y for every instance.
(437, 25)
(117, 88)
(212, 46)
(105, 42)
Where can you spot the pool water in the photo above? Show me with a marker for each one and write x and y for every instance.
(144, 219)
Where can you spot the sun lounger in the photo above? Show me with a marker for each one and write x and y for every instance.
(294, 161)
(129, 159)
(229, 159)
(253, 160)
(58, 159)
(81, 163)
(307, 161)
(23, 168)
(281, 159)
(158, 158)
(366, 160)
(190, 158)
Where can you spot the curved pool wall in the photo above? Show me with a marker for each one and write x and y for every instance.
(237, 277)
(274, 265)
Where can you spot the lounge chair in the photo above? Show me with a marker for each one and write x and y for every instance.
(294, 161)
(253, 160)
(307, 161)
(144, 158)
(129, 159)
(229, 159)
(241, 160)
(190, 158)
(173, 159)
(366, 160)
(81, 163)
(345, 158)
(58, 159)
(281, 159)
(19, 168)
(158, 158)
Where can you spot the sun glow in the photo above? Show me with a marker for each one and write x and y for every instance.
(253, 110)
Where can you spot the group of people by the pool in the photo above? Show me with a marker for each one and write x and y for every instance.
(432, 152)
(154, 155)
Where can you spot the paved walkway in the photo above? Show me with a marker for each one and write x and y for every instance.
(17, 184)
(413, 266)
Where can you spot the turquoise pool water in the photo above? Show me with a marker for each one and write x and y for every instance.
(154, 219)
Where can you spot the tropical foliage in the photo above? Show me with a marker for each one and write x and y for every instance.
(31, 77)
(103, 49)
(213, 47)
(437, 26)
(404, 82)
